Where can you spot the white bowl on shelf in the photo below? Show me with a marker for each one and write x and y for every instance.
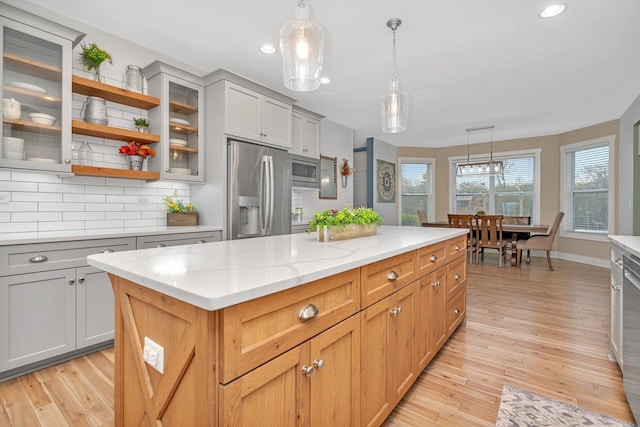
(180, 171)
(12, 142)
(178, 142)
(41, 118)
(180, 122)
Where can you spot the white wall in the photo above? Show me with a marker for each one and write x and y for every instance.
(336, 140)
(626, 169)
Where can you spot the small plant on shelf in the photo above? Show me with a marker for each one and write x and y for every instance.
(137, 149)
(175, 205)
(92, 58)
(142, 124)
(343, 217)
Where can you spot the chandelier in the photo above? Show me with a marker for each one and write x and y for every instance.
(490, 168)
(394, 105)
(302, 48)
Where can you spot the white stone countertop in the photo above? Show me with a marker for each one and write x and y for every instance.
(220, 274)
(106, 233)
(629, 243)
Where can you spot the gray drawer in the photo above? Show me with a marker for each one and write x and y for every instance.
(163, 240)
(31, 258)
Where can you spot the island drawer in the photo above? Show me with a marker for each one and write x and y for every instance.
(36, 257)
(432, 257)
(253, 332)
(456, 276)
(161, 241)
(382, 278)
(457, 247)
(456, 310)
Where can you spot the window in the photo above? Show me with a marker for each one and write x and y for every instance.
(515, 193)
(587, 199)
(416, 189)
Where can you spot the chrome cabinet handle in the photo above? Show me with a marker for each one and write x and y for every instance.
(81, 280)
(201, 241)
(160, 245)
(436, 284)
(72, 282)
(67, 161)
(614, 287)
(307, 370)
(106, 251)
(38, 258)
(433, 258)
(456, 311)
(458, 247)
(392, 276)
(309, 311)
(395, 311)
(457, 276)
(318, 363)
(618, 261)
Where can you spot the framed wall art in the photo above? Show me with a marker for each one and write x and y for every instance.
(386, 181)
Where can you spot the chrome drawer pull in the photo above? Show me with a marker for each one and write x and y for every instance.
(307, 370)
(456, 311)
(107, 251)
(433, 258)
(38, 258)
(457, 276)
(309, 311)
(618, 261)
(160, 245)
(72, 282)
(392, 276)
(458, 247)
(436, 284)
(81, 280)
(201, 241)
(318, 363)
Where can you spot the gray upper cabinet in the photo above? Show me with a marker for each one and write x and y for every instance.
(36, 79)
(306, 133)
(251, 115)
(180, 122)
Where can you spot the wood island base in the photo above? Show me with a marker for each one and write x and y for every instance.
(342, 350)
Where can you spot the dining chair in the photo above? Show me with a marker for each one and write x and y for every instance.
(464, 221)
(542, 242)
(488, 232)
(422, 217)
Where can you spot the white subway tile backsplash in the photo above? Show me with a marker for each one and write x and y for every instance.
(5, 176)
(59, 188)
(60, 207)
(34, 177)
(19, 186)
(92, 225)
(142, 223)
(103, 190)
(83, 216)
(36, 216)
(119, 182)
(57, 226)
(142, 191)
(133, 215)
(122, 199)
(104, 207)
(86, 180)
(84, 198)
(19, 207)
(28, 196)
(12, 227)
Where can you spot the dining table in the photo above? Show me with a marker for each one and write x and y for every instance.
(517, 231)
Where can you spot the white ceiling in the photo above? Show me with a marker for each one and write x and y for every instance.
(464, 63)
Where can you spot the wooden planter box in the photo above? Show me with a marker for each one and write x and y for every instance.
(350, 231)
(182, 219)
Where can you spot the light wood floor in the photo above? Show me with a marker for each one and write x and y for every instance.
(547, 332)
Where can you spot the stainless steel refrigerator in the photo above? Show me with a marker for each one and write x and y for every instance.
(259, 190)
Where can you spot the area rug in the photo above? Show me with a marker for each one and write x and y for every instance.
(521, 408)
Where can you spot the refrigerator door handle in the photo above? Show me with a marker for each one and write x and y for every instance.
(263, 196)
(271, 194)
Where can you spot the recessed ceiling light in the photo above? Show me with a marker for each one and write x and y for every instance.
(553, 10)
(268, 49)
(325, 80)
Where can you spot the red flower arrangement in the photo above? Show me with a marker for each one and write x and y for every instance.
(345, 169)
(137, 149)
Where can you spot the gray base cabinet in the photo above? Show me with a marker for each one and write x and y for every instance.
(53, 304)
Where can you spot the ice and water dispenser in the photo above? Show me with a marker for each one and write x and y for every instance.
(249, 215)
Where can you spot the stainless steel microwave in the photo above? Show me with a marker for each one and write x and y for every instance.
(305, 172)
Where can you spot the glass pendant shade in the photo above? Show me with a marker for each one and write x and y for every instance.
(394, 108)
(302, 48)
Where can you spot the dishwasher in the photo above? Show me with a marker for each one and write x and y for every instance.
(631, 332)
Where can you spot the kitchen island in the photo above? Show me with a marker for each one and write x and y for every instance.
(243, 325)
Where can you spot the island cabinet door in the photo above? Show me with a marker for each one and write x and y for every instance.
(388, 357)
(438, 308)
(315, 384)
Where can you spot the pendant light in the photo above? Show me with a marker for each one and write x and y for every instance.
(394, 105)
(302, 48)
(490, 168)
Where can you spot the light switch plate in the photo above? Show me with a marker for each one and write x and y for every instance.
(5, 197)
(153, 354)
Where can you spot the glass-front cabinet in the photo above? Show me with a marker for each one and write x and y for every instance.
(179, 120)
(36, 89)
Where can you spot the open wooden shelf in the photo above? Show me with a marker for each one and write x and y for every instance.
(111, 93)
(34, 68)
(113, 173)
(182, 129)
(27, 125)
(182, 108)
(101, 131)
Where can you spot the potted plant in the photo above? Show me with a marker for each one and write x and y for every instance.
(142, 124)
(136, 153)
(92, 57)
(179, 212)
(345, 223)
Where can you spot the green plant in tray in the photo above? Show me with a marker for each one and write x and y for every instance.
(341, 218)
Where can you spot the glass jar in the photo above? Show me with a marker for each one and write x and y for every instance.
(85, 154)
(133, 78)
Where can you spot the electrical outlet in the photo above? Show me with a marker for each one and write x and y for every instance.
(5, 197)
(153, 354)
